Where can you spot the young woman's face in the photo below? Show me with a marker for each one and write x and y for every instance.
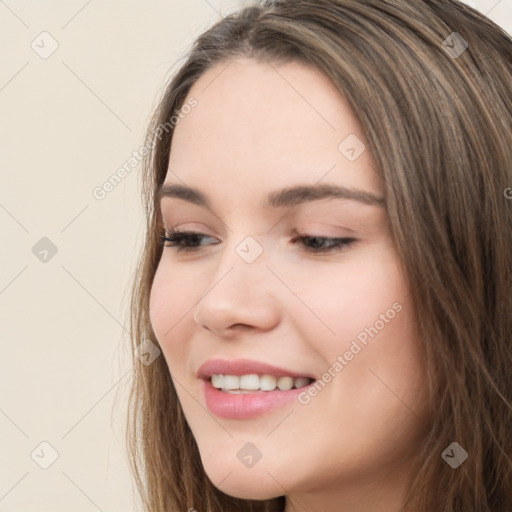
(253, 290)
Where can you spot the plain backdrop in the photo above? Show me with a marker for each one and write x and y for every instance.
(78, 81)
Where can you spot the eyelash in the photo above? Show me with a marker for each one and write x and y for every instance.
(176, 240)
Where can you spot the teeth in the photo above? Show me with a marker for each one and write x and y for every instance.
(231, 382)
(268, 383)
(252, 382)
(285, 383)
(217, 381)
(300, 382)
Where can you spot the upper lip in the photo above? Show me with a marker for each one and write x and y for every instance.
(244, 367)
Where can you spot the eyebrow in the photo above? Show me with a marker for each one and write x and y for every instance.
(290, 196)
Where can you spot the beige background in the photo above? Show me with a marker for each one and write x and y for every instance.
(67, 123)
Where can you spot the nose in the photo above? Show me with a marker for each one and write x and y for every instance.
(240, 297)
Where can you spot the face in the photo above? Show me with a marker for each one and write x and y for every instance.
(303, 287)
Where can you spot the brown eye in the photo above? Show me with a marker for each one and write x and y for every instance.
(184, 240)
(321, 244)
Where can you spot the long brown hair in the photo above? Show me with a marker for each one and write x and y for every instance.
(438, 119)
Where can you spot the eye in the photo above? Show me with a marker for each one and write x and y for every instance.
(189, 241)
(322, 244)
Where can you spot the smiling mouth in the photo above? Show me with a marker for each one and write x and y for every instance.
(254, 383)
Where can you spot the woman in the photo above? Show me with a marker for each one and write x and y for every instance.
(327, 266)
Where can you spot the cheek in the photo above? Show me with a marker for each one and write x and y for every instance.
(348, 297)
(364, 314)
(170, 304)
(160, 304)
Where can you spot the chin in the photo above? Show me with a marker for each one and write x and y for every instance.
(244, 483)
(250, 488)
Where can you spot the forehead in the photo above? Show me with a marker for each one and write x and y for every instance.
(261, 125)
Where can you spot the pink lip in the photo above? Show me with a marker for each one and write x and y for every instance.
(247, 405)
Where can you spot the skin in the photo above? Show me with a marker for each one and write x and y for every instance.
(258, 128)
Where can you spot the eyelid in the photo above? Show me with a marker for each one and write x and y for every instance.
(334, 244)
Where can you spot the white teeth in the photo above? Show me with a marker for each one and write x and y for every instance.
(268, 383)
(231, 382)
(253, 382)
(285, 383)
(217, 381)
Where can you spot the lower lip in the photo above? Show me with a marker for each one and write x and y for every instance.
(246, 405)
